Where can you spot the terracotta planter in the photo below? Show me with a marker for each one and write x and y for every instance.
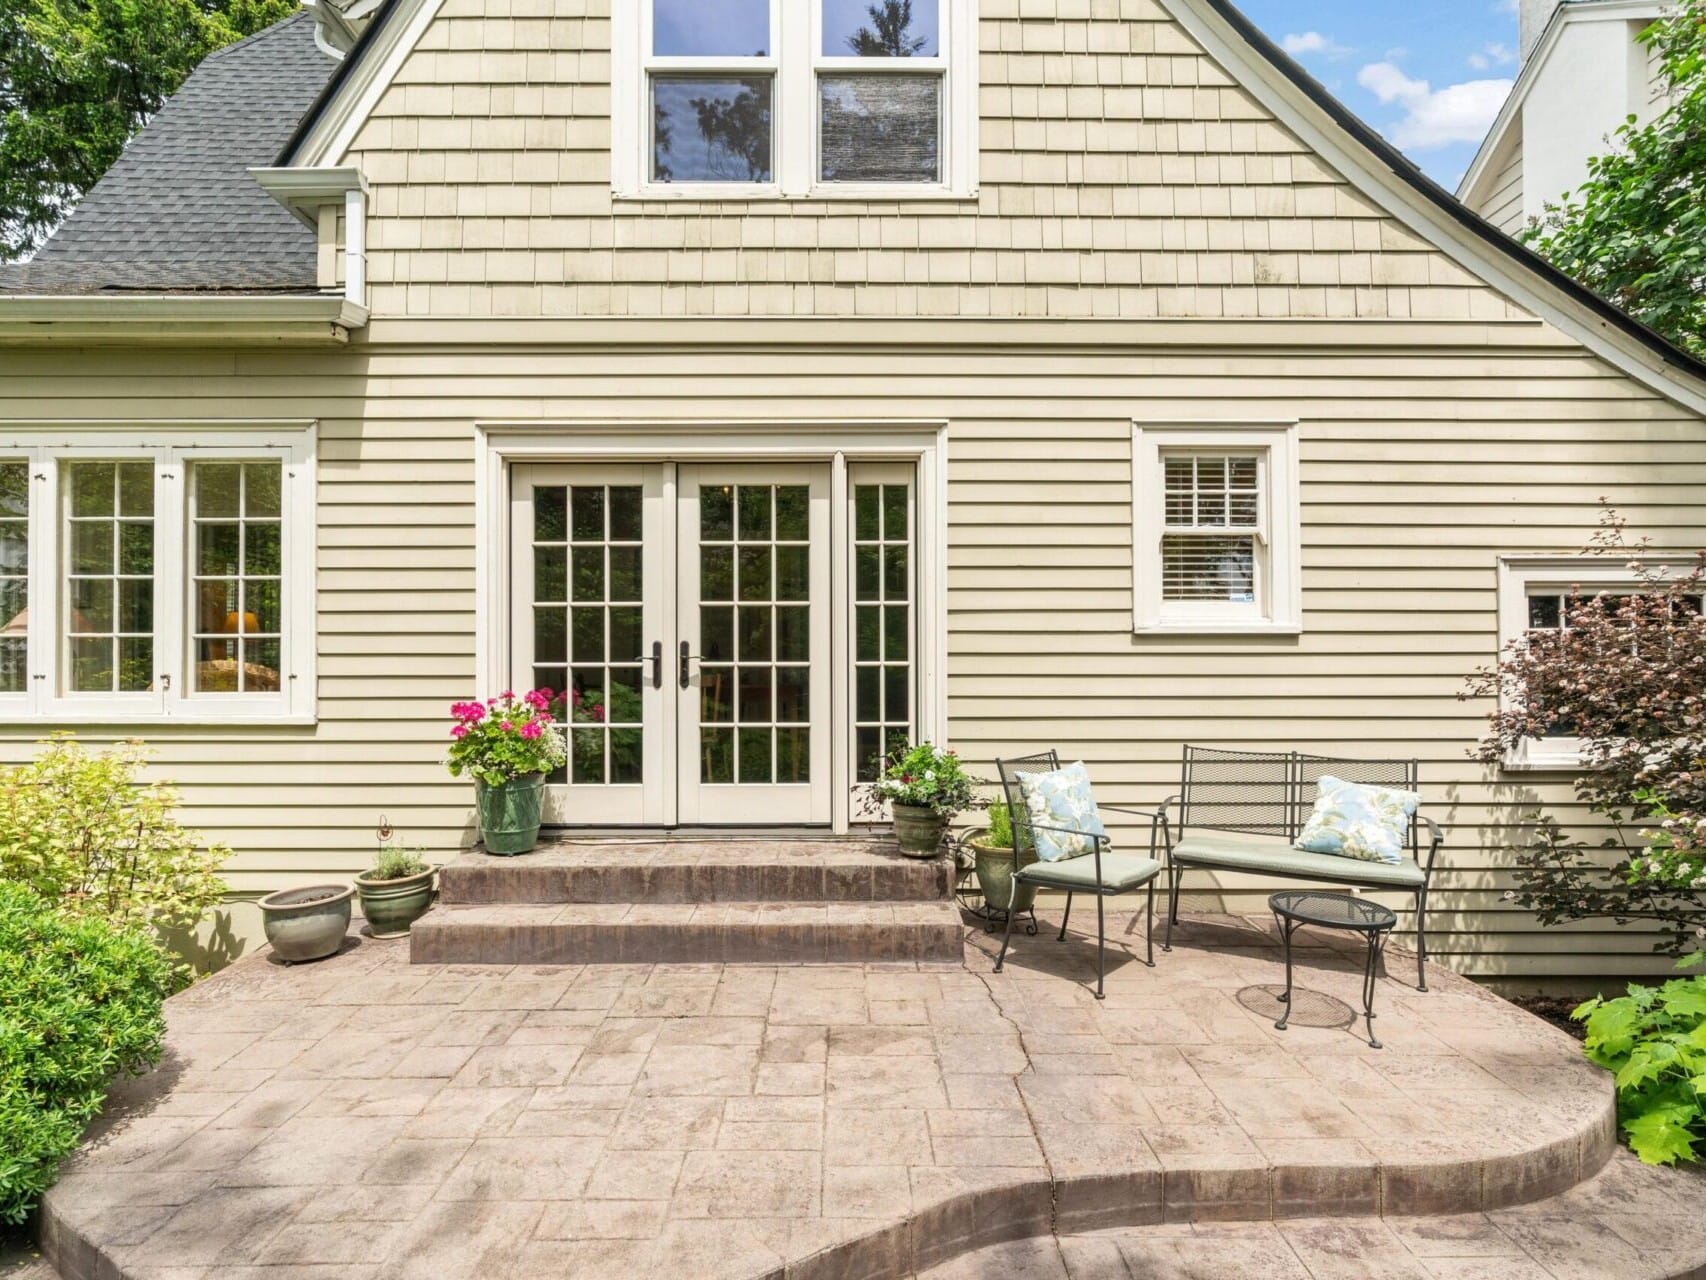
(509, 814)
(393, 906)
(307, 924)
(919, 831)
(995, 878)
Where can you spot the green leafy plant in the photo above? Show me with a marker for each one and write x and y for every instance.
(506, 738)
(1654, 1040)
(927, 777)
(397, 863)
(80, 1003)
(80, 829)
(1636, 231)
(1000, 833)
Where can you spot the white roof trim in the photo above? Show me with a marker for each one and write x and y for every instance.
(1365, 170)
(329, 141)
(171, 319)
(1510, 115)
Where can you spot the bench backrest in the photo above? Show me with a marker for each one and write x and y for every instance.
(1271, 793)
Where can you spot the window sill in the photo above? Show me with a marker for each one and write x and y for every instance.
(1524, 761)
(121, 720)
(1185, 627)
(686, 194)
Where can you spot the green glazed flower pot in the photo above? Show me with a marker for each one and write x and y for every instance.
(393, 906)
(307, 924)
(919, 831)
(995, 878)
(509, 814)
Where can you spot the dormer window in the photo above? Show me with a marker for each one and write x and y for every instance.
(776, 99)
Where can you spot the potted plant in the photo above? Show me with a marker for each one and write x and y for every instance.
(395, 892)
(508, 744)
(925, 787)
(307, 924)
(997, 857)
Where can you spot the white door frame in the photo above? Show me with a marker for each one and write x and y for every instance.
(923, 443)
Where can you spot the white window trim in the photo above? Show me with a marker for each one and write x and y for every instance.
(171, 448)
(1278, 610)
(796, 63)
(1518, 574)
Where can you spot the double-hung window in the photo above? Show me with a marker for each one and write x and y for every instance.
(719, 99)
(1535, 598)
(169, 580)
(1216, 529)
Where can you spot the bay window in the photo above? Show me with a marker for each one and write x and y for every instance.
(718, 99)
(168, 580)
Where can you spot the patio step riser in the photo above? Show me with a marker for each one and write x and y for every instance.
(498, 882)
(441, 939)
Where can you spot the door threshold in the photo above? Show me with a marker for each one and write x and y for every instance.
(703, 835)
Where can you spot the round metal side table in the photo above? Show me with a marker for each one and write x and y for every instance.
(1334, 911)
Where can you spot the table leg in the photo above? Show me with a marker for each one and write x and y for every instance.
(1285, 928)
(1376, 945)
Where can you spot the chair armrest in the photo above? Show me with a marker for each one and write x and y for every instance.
(1165, 824)
(1101, 842)
(1436, 837)
(1138, 813)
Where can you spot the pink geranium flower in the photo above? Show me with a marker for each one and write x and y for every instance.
(532, 729)
(460, 731)
(539, 699)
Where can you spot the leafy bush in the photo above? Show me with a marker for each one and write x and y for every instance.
(506, 738)
(394, 863)
(1654, 1039)
(80, 829)
(927, 777)
(80, 1002)
(1626, 675)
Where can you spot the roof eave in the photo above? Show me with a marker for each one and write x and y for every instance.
(177, 320)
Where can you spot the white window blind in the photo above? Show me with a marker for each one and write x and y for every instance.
(1210, 543)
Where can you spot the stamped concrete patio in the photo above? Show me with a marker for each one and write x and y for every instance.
(363, 1117)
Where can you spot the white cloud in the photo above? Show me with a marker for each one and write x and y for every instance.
(1303, 43)
(1435, 118)
(1492, 55)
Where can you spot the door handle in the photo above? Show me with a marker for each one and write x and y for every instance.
(655, 657)
(688, 657)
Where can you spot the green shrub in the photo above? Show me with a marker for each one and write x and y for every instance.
(80, 1002)
(80, 829)
(1654, 1039)
(1000, 835)
(394, 863)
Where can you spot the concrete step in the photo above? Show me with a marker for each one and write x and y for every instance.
(707, 871)
(773, 933)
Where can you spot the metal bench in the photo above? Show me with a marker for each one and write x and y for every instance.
(1241, 811)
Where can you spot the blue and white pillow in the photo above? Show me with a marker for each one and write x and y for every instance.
(1370, 824)
(1061, 799)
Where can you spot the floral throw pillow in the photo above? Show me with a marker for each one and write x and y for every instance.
(1061, 799)
(1370, 824)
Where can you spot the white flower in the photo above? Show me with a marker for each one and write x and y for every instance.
(929, 775)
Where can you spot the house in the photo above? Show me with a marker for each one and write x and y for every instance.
(1088, 377)
(1585, 73)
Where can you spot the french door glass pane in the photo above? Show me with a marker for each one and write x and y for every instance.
(754, 637)
(109, 534)
(711, 28)
(881, 28)
(235, 510)
(709, 128)
(14, 574)
(880, 128)
(588, 590)
(882, 631)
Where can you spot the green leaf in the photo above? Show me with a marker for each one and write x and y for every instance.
(1662, 1136)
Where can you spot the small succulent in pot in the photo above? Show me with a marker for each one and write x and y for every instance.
(395, 891)
(925, 786)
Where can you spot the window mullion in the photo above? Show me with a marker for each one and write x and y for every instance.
(171, 605)
(793, 117)
(44, 625)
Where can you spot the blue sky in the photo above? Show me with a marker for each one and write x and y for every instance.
(1429, 74)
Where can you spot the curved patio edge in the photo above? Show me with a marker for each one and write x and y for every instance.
(999, 1214)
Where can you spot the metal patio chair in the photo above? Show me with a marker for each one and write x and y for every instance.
(1101, 871)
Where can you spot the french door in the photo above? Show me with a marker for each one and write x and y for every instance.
(684, 613)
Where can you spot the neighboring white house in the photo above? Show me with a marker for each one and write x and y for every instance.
(1584, 73)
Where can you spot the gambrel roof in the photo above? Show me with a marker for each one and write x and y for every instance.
(179, 210)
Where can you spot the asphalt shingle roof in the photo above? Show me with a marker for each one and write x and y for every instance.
(178, 211)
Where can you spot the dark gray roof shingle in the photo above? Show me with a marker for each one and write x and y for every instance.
(178, 210)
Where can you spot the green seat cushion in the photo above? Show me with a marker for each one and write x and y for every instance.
(1273, 855)
(1120, 871)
